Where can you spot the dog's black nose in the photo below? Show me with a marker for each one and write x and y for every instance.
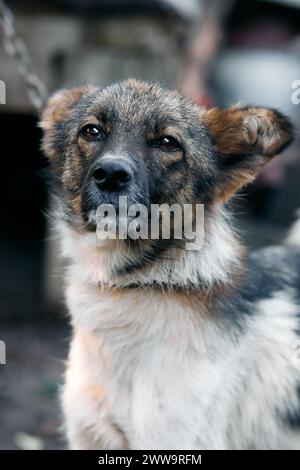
(112, 175)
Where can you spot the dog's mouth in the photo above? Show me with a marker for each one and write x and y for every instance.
(115, 211)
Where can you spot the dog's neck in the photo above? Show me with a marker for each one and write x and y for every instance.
(112, 264)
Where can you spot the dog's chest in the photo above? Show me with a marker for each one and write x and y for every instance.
(170, 401)
(156, 365)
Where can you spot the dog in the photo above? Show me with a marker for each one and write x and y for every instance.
(172, 348)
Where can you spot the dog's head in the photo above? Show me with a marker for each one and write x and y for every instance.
(153, 146)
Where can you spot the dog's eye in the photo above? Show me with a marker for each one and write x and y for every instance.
(91, 132)
(168, 143)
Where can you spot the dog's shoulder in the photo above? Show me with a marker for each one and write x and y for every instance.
(272, 270)
(266, 305)
(269, 272)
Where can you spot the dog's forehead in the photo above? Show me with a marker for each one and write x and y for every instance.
(139, 102)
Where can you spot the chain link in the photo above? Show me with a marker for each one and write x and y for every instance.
(15, 48)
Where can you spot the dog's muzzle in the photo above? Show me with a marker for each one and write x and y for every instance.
(112, 175)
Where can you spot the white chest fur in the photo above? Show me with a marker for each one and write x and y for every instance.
(148, 362)
(149, 370)
(155, 370)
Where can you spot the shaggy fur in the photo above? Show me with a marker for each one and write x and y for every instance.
(172, 349)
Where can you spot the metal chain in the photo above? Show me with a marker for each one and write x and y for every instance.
(15, 48)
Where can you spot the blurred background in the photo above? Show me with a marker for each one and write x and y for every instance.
(216, 52)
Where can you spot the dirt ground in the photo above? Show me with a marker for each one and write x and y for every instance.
(29, 385)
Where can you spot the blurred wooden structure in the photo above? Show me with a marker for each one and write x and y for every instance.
(68, 49)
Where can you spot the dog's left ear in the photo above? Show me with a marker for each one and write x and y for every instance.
(245, 140)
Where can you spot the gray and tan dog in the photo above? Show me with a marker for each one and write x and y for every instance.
(172, 349)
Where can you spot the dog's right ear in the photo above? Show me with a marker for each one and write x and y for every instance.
(57, 110)
(59, 105)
